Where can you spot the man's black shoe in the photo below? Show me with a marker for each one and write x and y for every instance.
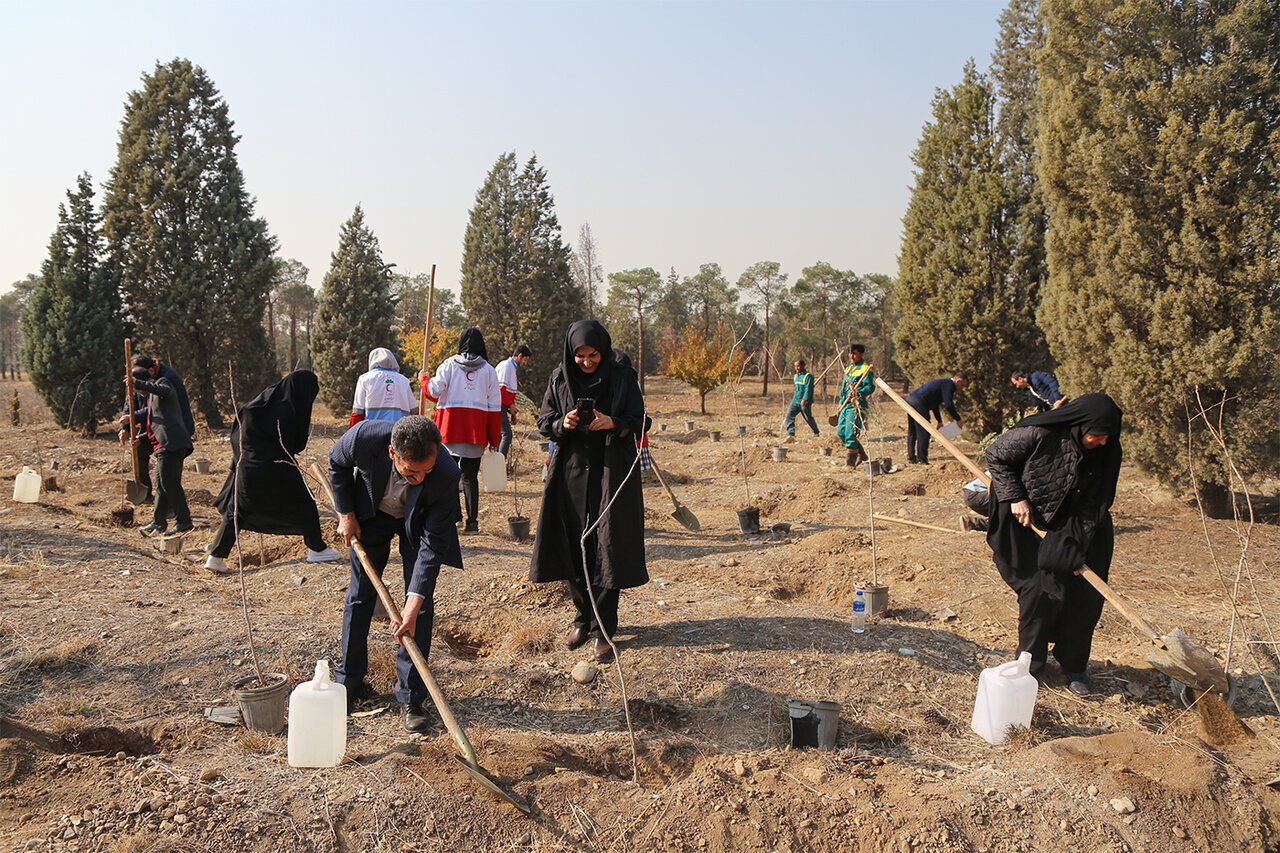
(471, 527)
(148, 529)
(180, 527)
(415, 718)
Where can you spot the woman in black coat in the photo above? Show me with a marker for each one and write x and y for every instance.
(589, 468)
(264, 489)
(1057, 472)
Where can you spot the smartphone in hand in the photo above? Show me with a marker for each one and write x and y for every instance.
(586, 411)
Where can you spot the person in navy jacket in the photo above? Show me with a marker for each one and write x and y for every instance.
(389, 479)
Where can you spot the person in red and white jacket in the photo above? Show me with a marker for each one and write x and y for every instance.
(507, 381)
(468, 402)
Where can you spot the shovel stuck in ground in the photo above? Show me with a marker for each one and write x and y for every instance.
(1176, 655)
(468, 757)
(681, 513)
(134, 491)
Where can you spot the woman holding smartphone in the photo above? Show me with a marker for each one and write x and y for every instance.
(593, 412)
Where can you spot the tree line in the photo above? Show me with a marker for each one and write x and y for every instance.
(1104, 202)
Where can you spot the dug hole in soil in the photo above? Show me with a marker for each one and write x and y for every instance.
(113, 650)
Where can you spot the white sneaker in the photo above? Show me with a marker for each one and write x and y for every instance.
(328, 555)
(218, 566)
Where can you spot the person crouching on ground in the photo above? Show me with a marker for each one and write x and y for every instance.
(264, 490)
(1056, 471)
(591, 467)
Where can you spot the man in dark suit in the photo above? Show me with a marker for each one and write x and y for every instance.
(170, 428)
(390, 479)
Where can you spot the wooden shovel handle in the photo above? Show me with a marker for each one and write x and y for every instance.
(670, 493)
(426, 337)
(924, 422)
(133, 425)
(1085, 572)
(419, 661)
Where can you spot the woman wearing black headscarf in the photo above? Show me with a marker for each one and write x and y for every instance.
(264, 490)
(589, 468)
(1057, 472)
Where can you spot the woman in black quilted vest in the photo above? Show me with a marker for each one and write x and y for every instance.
(1055, 474)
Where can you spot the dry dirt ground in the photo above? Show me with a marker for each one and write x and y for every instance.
(114, 650)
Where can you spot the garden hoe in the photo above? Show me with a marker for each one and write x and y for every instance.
(1176, 655)
(133, 489)
(468, 757)
(681, 513)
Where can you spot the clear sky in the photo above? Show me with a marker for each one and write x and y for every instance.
(683, 132)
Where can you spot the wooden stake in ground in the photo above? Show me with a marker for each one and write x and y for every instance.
(426, 337)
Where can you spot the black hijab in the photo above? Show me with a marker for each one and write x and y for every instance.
(294, 395)
(588, 333)
(1095, 414)
(472, 343)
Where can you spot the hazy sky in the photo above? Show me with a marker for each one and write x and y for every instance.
(682, 132)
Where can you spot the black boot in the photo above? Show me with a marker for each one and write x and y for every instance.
(852, 459)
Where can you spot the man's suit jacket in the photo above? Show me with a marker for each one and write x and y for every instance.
(359, 468)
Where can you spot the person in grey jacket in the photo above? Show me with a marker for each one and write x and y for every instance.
(1053, 480)
(170, 429)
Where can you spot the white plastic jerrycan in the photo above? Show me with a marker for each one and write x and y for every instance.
(1006, 697)
(317, 721)
(493, 471)
(26, 486)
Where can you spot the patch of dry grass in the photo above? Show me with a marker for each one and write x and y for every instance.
(68, 653)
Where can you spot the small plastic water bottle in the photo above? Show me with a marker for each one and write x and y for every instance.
(859, 613)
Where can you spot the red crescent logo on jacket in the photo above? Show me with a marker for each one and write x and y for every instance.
(468, 373)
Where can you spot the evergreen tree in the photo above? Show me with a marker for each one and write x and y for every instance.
(766, 279)
(819, 313)
(73, 335)
(196, 265)
(516, 281)
(1013, 71)
(961, 308)
(631, 293)
(1160, 157)
(710, 297)
(354, 314)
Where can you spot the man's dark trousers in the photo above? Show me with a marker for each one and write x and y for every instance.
(169, 495)
(376, 535)
(797, 409)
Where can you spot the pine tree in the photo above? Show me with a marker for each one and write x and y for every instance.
(710, 296)
(196, 265)
(1159, 147)
(818, 313)
(355, 313)
(631, 294)
(766, 279)
(962, 310)
(516, 281)
(73, 335)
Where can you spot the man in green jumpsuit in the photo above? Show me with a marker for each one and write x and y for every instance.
(855, 387)
(802, 399)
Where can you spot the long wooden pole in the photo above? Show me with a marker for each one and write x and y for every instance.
(426, 336)
(133, 424)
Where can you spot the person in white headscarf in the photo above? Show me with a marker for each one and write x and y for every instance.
(382, 394)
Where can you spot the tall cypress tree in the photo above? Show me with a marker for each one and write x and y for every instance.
(961, 308)
(356, 313)
(73, 335)
(1160, 147)
(196, 265)
(516, 281)
(1016, 81)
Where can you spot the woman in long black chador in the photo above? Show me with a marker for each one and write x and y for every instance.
(1056, 471)
(589, 467)
(267, 492)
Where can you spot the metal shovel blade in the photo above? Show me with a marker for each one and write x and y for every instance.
(1185, 660)
(477, 773)
(686, 517)
(135, 492)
